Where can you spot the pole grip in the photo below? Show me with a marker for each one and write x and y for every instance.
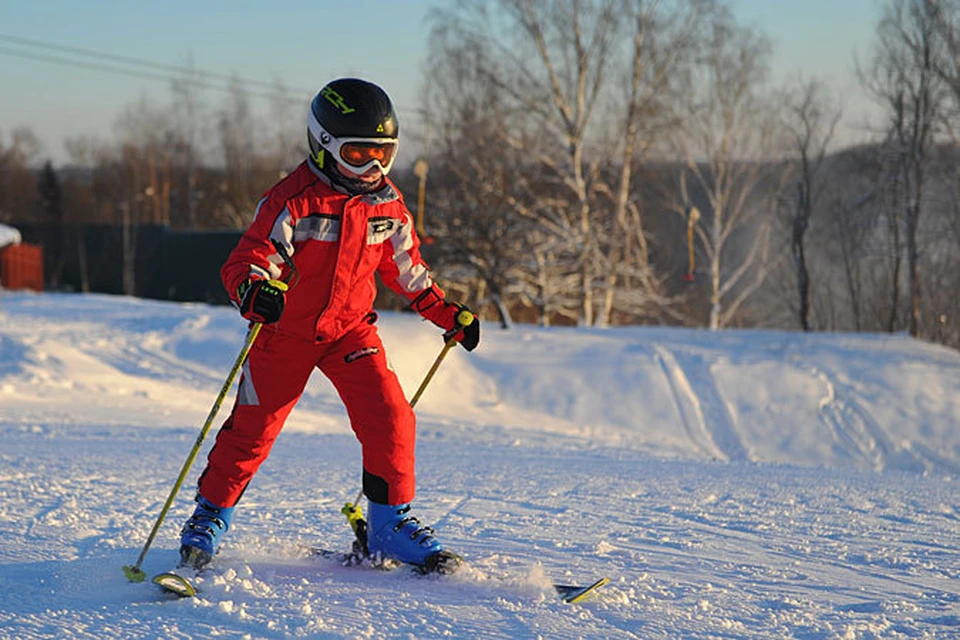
(464, 318)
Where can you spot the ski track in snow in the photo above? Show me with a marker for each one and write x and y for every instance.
(700, 402)
(687, 403)
(852, 426)
(673, 470)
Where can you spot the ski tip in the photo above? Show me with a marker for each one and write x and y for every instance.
(175, 584)
(572, 594)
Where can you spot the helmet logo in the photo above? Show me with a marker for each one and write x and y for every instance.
(336, 100)
(380, 128)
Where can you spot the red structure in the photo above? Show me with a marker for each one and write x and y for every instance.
(21, 267)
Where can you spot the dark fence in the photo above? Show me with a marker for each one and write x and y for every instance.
(167, 265)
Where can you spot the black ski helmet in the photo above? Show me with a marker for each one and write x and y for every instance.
(352, 122)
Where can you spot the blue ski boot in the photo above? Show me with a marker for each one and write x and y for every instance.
(199, 538)
(393, 534)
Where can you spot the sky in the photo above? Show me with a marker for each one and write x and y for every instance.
(306, 43)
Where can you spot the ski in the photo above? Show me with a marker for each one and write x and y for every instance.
(180, 581)
(573, 594)
(568, 593)
(176, 583)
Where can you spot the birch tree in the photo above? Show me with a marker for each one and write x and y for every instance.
(554, 70)
(727, 133)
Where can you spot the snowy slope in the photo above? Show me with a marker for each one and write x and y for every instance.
(740, 484)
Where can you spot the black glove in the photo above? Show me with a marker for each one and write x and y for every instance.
(262, 300)
(468, 335)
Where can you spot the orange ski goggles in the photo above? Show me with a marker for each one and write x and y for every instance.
(358, 154)
(365, 153)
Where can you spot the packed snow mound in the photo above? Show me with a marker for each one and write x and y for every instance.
(873, 402)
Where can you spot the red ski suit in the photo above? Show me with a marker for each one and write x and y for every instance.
(337, 242)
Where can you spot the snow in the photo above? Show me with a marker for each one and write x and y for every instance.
(733, 485)
(8, 235)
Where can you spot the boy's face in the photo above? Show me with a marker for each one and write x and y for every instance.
(370, 176)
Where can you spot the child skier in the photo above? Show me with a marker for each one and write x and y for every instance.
(341, 220)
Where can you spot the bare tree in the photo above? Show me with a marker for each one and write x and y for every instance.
(811, 123)
(727, 134)
(238, 149)
(17, 181)
(563, 89)
(579, 95)
(144, 158)
(662, 47)
(848, 228)
(147, 142)
(903, 78)
(52, 213)
(189, 129)
(470, 187)
(249, 163)
(945, 18)
(484, 244)
(286, 145)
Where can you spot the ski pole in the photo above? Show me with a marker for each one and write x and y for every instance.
(464, 319)
(133, 572)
